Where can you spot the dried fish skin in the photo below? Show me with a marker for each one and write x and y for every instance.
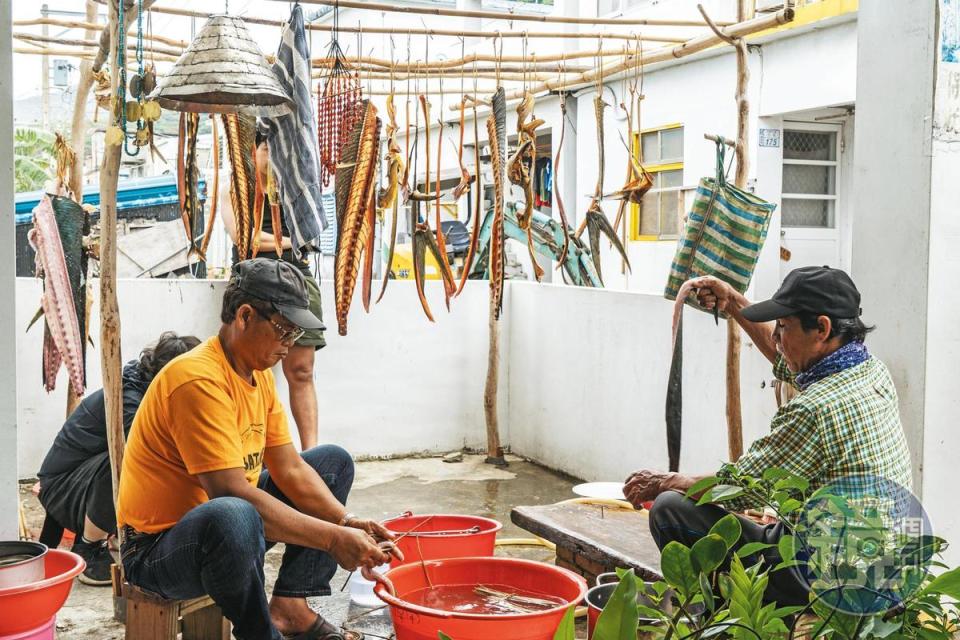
(597, 225)
(355, 181)
(59, 309)
(240, 132)
(496, 266)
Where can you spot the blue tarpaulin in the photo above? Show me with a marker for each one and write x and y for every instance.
(133, 193)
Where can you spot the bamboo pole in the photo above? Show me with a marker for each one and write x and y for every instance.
(456, 63)
(82, 54)
(73, 42)
(434, 72)
(110, 360)
(402, 77)
(499, 15)
(90, 26)
(695, 45)
(741, 151)
(452, 33)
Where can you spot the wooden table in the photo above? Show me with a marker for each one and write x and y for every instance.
(593, 539)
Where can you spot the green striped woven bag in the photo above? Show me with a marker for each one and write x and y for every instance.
(723, 235)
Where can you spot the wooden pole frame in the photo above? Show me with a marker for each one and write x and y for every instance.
(449, 33)
(500, 15)
(663, 54)
(91, 26)
(73, 42)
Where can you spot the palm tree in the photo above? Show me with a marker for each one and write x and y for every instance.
(33, 158)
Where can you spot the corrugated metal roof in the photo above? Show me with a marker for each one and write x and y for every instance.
(134, 193)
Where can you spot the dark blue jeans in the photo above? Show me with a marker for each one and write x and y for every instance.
(218, 549)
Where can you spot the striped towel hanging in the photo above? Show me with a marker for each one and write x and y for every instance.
(293, 139)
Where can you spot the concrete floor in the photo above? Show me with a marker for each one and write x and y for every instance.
(382, 489)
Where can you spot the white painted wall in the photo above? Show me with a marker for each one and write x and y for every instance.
(588, 380)
(396, 384)
(940, 437)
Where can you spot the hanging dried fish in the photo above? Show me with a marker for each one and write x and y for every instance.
(556, 191)
(187, 174)
(478, 203)
(258, 200)
(446, 273)
(215, 192)
(388, 197)
(597, 224)
(240, 132)
(273, 201)
(497, 132)
(355, 188)
(595, 221)
(521, 168)
(465, 178)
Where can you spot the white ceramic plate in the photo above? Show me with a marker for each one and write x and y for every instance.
(607, 490)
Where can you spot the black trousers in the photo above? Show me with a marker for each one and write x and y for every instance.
(86, 491)
(676, 518)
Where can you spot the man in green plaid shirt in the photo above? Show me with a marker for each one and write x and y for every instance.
(842, 428)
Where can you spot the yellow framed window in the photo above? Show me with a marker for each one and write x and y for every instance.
(658, 217)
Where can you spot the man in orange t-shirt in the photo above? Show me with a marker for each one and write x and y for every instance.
(197, 506)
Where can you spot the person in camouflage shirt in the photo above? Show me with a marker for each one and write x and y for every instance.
(843, 427)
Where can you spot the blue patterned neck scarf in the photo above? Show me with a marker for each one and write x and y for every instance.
(849, 355)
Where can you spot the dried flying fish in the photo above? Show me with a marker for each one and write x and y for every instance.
(355, 187)
(478, 203)
(520, 170)
(465, 178)
(215, 193)
(446, 273)
(258, 200)
(62, 337)
(187, 174)
(556, 191)
(597, 224)
(240, 132)
(496, 265)
(388, 197)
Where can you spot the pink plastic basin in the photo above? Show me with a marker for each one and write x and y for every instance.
(43, 632)
(432, 537)
(415, 622)
(28, 607)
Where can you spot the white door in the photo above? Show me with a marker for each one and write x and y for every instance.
(810, 207)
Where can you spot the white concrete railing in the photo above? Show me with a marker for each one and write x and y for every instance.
(583, 373)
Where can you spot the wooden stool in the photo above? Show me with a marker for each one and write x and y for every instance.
(150, 617)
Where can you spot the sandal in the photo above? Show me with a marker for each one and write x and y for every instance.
(323, 630)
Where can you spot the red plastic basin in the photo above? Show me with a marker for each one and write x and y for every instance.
(414, 622)
(432, 537)
(45, 631)
(29, 606)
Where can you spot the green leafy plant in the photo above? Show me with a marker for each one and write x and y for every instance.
(32, 158)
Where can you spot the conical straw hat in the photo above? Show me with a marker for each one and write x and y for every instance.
(222, 71)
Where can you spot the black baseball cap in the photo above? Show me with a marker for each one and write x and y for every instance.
(820, 290)
(282, 285)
